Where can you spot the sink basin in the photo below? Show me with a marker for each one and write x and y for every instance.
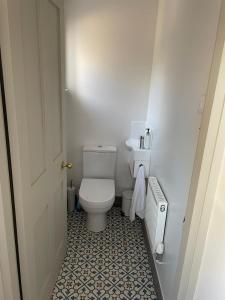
(132, 144)
(138, 154)
(137, 157)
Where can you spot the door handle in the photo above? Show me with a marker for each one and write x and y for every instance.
(66, 165)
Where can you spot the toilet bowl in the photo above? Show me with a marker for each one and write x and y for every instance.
(97, 190)
(97, 197)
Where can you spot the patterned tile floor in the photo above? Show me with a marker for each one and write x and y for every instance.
(112, 264)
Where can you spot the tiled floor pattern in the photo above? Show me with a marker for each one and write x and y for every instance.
(112, 264)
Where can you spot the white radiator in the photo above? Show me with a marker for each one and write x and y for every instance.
(155, 213)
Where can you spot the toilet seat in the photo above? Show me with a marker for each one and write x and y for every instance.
(97, 192)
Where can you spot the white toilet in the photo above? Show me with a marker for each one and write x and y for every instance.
(97, 191)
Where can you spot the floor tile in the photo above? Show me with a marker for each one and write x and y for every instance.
(112, 264)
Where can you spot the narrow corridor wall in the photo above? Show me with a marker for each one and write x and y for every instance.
(185, 39)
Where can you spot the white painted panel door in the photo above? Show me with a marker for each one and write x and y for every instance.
(37, 134)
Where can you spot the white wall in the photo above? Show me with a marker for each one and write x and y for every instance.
(186, 32)
(109, 48)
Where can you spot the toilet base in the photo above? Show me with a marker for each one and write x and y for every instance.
(96, 222)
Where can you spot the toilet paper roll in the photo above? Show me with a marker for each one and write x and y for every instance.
(71, 198)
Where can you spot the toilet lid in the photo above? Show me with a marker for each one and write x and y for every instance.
(97, 190)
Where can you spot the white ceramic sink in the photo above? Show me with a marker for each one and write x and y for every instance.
(138, 154)
(132, 144)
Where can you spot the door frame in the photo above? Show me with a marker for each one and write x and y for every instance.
(206, 172)
(13, 93)
(10, 285)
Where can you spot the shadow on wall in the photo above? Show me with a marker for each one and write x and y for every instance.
(109, 48)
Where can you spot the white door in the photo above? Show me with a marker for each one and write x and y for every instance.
(36, 121)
